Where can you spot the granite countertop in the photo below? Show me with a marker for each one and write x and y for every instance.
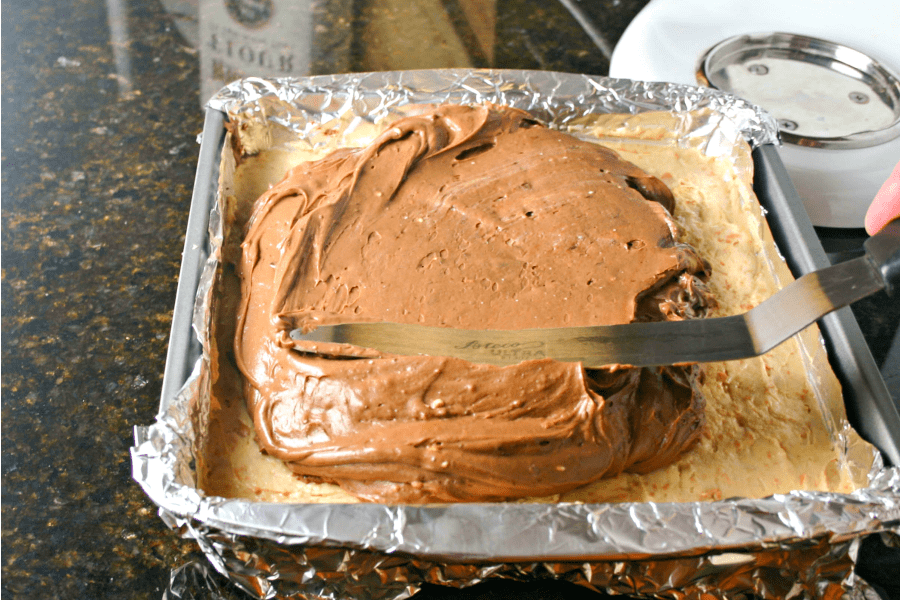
(101, 109)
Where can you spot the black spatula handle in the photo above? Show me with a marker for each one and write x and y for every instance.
(883, 249)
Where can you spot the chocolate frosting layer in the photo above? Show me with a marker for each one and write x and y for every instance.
(473, 217)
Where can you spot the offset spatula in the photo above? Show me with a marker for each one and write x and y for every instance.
(755, 332)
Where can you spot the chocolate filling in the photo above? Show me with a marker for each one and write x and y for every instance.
(473, 217)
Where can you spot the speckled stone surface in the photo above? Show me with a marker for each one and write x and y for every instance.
(97, 179)
(99, 156)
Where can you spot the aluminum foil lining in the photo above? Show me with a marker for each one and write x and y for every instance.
(556, 98)
(733, 547)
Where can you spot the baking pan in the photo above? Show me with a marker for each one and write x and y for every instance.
(184, 347)
(251, 542)
(870, 408)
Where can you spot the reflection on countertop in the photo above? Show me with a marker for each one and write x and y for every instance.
(279, 39)
(101, 110)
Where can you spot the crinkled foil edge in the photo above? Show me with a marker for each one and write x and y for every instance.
(731, 547)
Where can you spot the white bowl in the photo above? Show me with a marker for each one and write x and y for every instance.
(667, 40)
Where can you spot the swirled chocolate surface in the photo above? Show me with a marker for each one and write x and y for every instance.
(468, 217)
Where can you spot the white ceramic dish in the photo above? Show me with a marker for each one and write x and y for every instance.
(667, 39)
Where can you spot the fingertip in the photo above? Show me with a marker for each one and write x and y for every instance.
(885, 206)
(879, 216)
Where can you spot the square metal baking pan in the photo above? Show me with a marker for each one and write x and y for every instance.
(870, 408)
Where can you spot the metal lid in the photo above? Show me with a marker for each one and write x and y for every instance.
(824, 95)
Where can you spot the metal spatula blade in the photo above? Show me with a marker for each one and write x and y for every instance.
(755, 332)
